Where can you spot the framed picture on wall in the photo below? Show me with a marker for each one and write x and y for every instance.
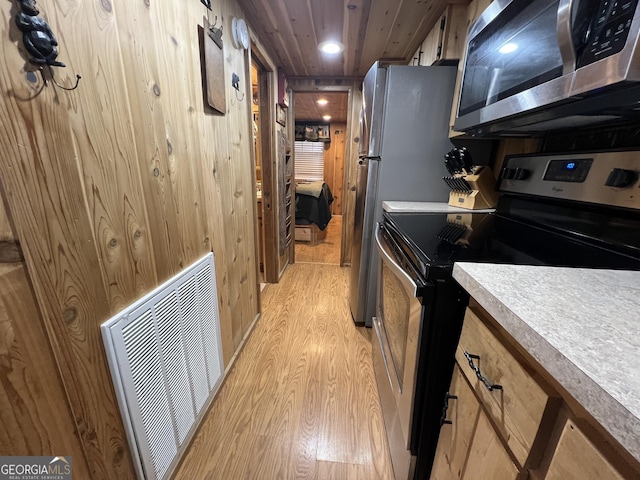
(281, 115)
(313, 132)
(283, 90)
(323, 133)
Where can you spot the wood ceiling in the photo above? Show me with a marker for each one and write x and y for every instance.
(307, 108)
(389, 30)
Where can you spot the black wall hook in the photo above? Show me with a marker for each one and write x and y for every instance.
(216, 33)
(39, 41)
(78, 77)
(235, 83)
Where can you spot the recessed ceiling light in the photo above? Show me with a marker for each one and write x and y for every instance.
(326, 117)
(331, 47)
(322, 101)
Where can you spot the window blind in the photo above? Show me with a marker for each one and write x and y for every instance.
(309, 161)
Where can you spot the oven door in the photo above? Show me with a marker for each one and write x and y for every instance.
(397, 328)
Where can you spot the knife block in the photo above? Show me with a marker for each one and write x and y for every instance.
(482, 194)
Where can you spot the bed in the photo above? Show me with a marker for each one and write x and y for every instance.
(313, 204)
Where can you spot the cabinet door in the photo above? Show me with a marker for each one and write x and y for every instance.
(511, 396)
(446, 39)
(577, 457)
(429, 51)
(488, 457)
(468, 446)
(455, 32)
(455, 437)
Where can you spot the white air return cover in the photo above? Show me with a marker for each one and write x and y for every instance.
(165, 356)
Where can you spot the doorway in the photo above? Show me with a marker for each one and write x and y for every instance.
(265, 174)
(255, 125)
(321, 118)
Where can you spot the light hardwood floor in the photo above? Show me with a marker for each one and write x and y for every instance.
(301, 401)
(326, 250)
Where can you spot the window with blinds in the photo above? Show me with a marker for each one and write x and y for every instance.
(309, 161)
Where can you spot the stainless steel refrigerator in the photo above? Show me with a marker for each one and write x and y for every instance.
(404, 135)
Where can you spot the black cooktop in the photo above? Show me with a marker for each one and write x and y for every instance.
(434, 241)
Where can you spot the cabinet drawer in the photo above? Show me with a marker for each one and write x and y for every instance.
(512, 398)
(577, 457)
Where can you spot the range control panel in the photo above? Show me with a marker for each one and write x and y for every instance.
(606, 178)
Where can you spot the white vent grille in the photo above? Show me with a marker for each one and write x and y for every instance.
(165, 357)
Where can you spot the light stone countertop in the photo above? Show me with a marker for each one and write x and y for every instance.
(581, 325)
(432, 207)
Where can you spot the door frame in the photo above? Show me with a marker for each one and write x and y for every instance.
(266, 102)
(351, 86)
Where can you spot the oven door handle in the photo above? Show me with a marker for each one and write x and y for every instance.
(387, 257)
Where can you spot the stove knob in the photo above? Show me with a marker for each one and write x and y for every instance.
(521, 174)
(621, 178)
(508, 173)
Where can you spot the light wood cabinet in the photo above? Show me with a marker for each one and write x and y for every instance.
(459, 417)
(512, 398)
(577, 457)
(488, 457)
(468, 438)
(507, 418)
(445, 42)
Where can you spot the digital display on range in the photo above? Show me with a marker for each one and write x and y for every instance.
(574, 170)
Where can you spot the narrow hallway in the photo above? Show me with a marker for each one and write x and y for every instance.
(301, 401)
(325, 250)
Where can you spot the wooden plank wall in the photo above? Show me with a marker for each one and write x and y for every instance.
(112, 189)
(350, 165)
(9, 247)
(34, 414)
(334, 156)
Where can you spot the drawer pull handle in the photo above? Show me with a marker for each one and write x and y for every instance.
(443, 418)
(490, 386)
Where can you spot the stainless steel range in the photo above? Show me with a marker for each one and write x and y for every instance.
(575, 210)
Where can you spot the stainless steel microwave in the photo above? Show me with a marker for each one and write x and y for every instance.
(542, 65)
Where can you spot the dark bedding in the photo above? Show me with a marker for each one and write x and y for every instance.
(313, 202)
